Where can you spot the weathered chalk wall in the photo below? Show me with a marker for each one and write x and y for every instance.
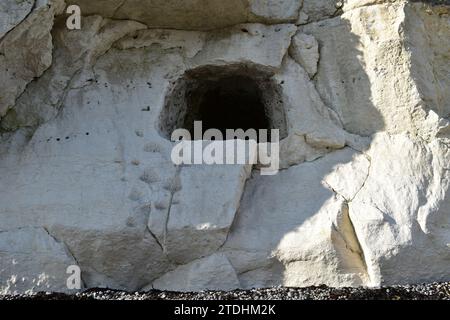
(363, 196)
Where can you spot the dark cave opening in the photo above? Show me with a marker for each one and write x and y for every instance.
(228, 103)
(224, 98)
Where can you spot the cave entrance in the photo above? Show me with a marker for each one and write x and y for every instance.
(229, 103)
(224, 98)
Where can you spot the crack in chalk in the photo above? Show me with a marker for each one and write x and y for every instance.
(365, 180)
(312, 160)
(351, 234)
(356, 238)
(48, 68)
(340, 11)
(360, 251)
(21, 22)
(154, 237)
(313, 80)
(213, 29)
(65, 92)
(360, 188)
(68, 251)
(118, 8)
(173, 190)
(334, 190)
(244, 187)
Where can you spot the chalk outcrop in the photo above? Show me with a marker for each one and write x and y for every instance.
(359, 90)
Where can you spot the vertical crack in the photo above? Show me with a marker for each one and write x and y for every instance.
(68, 251)
(174, 187)
(244, 187)
(155, 238)
(365, 180)
(360, 250)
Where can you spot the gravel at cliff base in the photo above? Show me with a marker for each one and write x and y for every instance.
(432, 291)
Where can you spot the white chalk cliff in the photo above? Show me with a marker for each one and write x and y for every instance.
(360, 90)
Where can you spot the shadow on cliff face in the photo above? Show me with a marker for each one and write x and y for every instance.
(295, 228)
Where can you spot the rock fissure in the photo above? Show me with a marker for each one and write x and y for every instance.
(236, 212)
(33, 7)
(174, 188)
(365, 179)
(67, 249)
(359, 250)
(155, 238)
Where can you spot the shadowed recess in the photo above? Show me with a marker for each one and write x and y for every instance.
(224, 98)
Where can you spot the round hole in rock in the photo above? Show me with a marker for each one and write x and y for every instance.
(228, 97)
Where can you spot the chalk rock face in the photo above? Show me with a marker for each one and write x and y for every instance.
(211, 273)
(194, 14)
(32, 38)
(32, 260)
(397, 232)
(313, 241)
(359, 90)
(201, 213)
(305, 51)
(12, 12)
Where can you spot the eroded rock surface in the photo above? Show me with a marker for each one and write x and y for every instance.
(359, 89)
(32, 260)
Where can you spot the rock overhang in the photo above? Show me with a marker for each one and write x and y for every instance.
(193, 14)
